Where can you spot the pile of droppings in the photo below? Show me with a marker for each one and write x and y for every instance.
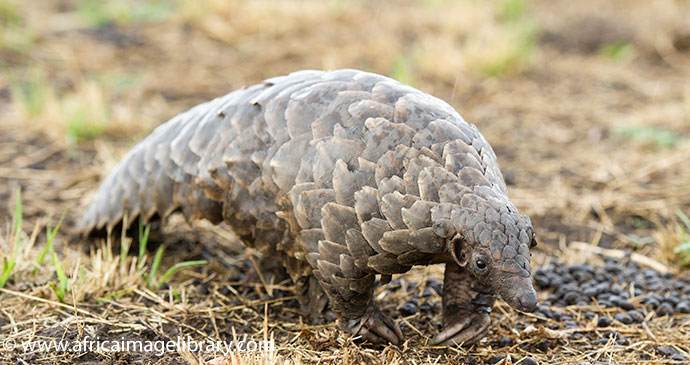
(623, 285)
(609, 296)
(636, 293)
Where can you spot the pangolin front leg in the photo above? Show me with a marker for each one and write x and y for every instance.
(466, 308)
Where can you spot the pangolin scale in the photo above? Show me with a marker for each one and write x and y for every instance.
(344, 175)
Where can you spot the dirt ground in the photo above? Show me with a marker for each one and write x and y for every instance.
(587, 105)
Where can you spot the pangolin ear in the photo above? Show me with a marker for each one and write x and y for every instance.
(458, 249)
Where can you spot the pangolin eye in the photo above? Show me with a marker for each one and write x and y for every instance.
(533, 242)
(481, 265)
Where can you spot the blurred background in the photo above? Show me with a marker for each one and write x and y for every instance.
(586, 103)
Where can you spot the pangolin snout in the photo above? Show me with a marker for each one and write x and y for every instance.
(528, 301)
(519, 293)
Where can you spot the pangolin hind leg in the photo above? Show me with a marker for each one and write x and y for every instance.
(269, 269)
(358, 314)
(312, 299)
(265, 267)
(466, 308)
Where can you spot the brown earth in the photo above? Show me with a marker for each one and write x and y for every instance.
(589, 116)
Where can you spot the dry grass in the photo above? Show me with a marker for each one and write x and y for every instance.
(586, 105)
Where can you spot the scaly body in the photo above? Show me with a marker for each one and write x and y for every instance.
(345, 175)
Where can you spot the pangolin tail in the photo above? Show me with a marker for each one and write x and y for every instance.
(157, 177)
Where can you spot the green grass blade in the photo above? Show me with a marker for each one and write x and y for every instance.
(42, 255)
(55, 290)
(55, 230)
(6, 271)
(63, 282)
(683, 247)
(179, 266)
(50, 236)
(116, 294)
(156, 263)
(684, 218)
(143, 241)
(62, 278)
(8, 266)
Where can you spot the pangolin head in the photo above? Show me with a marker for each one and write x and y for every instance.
(493, 245)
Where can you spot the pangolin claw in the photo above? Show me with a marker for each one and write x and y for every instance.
(376, 327)
(466, 330)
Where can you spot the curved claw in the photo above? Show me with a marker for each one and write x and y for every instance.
(450, 331)
(468, 330)
(376, 327)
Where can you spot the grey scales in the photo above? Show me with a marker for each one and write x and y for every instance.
(344, 175)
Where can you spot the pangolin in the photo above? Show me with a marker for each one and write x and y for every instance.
(344, 175)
